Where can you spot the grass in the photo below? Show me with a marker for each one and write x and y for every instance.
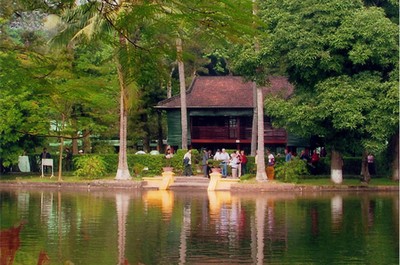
(326, 181)
(66, 177)
(349, 182)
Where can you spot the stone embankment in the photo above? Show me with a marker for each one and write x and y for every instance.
(270, 186)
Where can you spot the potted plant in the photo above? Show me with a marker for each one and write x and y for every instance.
(215, 165)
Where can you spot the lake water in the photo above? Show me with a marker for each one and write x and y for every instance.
(174, 227)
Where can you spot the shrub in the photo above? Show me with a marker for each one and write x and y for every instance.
(138, 169)
(291, 171)
(213, 163)
(90, 167)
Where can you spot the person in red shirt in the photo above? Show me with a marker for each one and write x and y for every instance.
(243, 162)
(314, 162)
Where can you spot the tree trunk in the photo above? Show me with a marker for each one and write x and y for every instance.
(254, 128)
(261, 174)
(75, 147)
(395, 163)
(61, 150)
(123, 170)
(160, 144)
(255, 102)
(183, 94)
(87, 145)
(169, 84)
(336, 167)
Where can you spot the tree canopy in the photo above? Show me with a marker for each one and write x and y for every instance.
(342, 58)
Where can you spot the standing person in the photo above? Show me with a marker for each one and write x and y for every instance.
(210, 155)
(239, 158)
(217, 155)
(204, 163)
(233, 162)
(323, 152)
(271, 165)
(304, 156)
(45, 155)
(243, 162)
(288, 155)
(271, 158)
(314, 162)
(169, 153)
(371, 164)
(187, 163)
(224, 158)
(314, 158)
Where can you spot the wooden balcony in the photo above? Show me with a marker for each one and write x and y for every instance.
(225, 134)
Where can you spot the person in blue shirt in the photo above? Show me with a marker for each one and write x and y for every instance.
(288, 155)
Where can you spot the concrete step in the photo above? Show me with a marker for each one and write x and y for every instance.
(184, 185)
(196, 182)
(192, 179)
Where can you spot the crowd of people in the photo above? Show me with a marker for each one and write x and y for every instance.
(237, 161)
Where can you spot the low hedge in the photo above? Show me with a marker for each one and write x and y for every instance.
(153, 164)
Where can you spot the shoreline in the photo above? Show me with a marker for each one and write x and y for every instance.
(270, 186)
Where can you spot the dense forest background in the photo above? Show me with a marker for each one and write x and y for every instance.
(70, 70)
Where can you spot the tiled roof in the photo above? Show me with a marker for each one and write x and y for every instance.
(224, 92)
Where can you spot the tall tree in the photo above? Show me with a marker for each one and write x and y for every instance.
(182, 85)
(342, 58)
(210, 23)
(100, 20)
(246, 64)
(23, 87)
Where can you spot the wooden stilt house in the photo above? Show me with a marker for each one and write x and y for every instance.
(220, 113)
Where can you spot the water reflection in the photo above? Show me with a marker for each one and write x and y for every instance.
(337, 211)
(9, 244)
(165, 227)
(122, 205)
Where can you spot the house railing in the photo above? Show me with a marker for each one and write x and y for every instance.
(223, 133)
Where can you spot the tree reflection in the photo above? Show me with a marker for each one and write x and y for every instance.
(261, 204)
(337, 211)
(43, 258)
(122, 205)
(9, 244)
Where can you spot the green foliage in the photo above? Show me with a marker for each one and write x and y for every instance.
(138, 169)
(342, 57)
(247, 177)
(103, 149)
(89, 166)
(23, 109)
(213, 163)
(291, 171)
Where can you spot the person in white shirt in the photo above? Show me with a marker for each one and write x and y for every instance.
(271, 164)
(224, 157)
(187, 163)
(234, 163)
(217, 155)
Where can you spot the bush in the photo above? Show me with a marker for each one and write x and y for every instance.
(291, 171)
(90, 167)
